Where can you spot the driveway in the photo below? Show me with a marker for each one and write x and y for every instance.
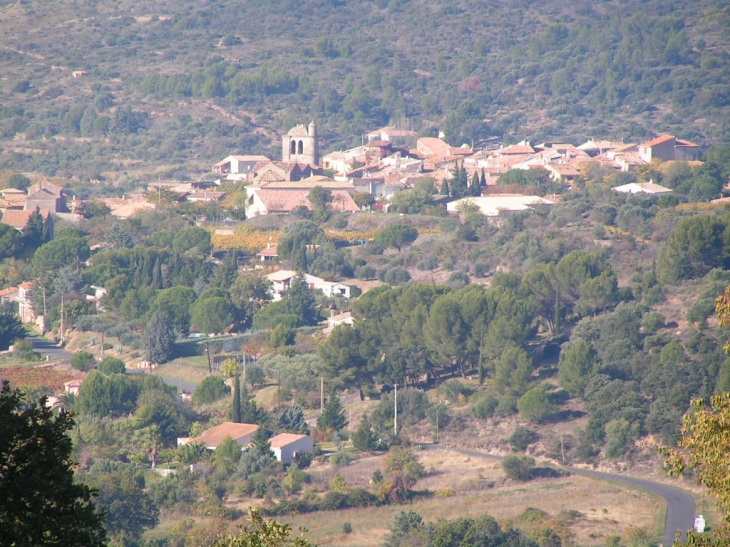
(680, 504)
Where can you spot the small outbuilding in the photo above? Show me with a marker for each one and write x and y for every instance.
(287, 446)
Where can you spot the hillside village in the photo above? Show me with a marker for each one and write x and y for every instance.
(287, 326)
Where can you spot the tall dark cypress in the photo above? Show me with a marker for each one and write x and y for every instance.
(236, 408)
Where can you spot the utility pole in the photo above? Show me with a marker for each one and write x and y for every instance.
(437, 422)
(395, 409)
(102, 344)
(321, 395)
(207, 351)
(61, 329)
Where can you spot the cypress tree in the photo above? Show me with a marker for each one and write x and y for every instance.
(236, 409)
(483, 180)
(475, 188)
(445, 188)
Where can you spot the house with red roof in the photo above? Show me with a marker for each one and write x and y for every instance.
(668, 148)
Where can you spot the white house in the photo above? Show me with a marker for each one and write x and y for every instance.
(281, 282)
(642, 188)
(239, 167)
(496, 204)
(286, 446)
(73, 387)
(211, 438)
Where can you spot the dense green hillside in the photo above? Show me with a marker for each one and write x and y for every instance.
(176, 83)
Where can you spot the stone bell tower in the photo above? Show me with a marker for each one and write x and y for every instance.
(301, 144)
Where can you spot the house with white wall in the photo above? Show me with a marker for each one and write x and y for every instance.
(287, 446)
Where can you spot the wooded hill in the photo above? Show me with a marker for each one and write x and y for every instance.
(184, 83)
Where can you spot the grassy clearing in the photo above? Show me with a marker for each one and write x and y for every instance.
(190, 369)
(479, 486)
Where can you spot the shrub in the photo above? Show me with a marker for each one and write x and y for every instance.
(485, 407)
(365, 272)
(211, 389)
(535, 405)
(518, 468)
(112, 365)
(480, 269)
(521, 438)
(347, 528)
(82, 361)
(340, 459)
(394, 276)
(652, 322)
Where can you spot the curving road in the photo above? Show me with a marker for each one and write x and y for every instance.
(44, 347)
(680, 504)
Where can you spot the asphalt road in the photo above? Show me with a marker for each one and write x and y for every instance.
(187, 387)
(43, 347)
(680, 504)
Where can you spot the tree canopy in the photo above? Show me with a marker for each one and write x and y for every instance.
(42, 503)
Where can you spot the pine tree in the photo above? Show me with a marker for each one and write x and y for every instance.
(260, 442)
(333, 415)
(87, 122)
(35, 229)
(250, 411)
(365, 438)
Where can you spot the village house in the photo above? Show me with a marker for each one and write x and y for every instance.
(642, 188)
(12, 198)
(213, 437)
(497, 205)
(239, 167)
(281, 282)
(287, 446)
(9, 295)
(19, 219)
(73, 387)
(268, 200)
(399, 137)
(668, 148)
(25, 305)
(344, 318)
(204, 197)
(269, 253)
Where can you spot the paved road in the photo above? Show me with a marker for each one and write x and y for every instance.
(187, 387)
(680, 504)
(43, 347)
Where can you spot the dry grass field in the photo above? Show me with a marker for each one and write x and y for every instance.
(479, 487)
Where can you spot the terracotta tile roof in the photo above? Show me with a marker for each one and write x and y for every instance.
(659, 140)
(8, 291)
(283, 439)
(268, 251)
(516, 149)
(284, 200)
(215, 435)
(19, 219)
(681, 142)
